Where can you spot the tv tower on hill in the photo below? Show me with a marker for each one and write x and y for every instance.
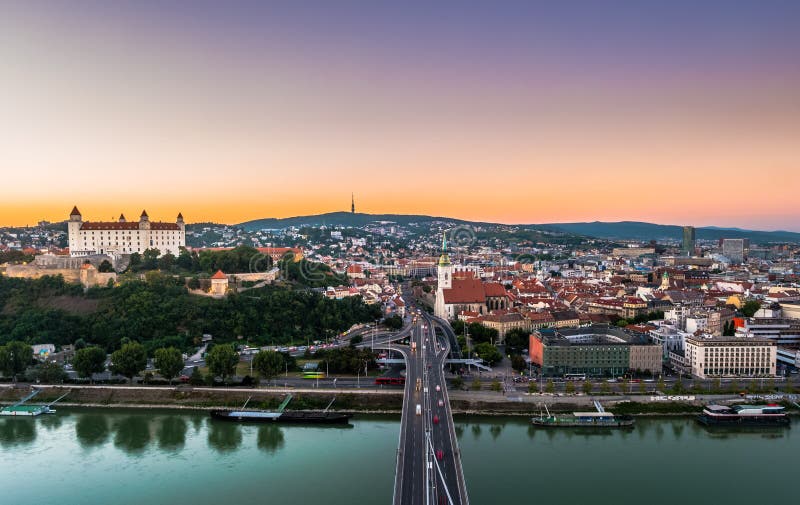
(352, 204)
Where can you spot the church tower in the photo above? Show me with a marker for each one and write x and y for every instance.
(444, 273)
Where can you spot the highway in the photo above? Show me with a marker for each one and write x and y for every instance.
(428, 460)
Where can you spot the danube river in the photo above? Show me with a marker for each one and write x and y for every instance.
(88, 457)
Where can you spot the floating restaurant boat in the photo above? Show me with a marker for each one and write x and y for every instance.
(279, 416)
(19, 409)
(744, 415)
(598, 419)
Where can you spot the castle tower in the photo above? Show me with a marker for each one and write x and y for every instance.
(180, 222)
(444, 273)
(122, 218)
(73, 228)
(664, 281)
(352, 203)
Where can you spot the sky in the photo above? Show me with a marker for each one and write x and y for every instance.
(678, 112)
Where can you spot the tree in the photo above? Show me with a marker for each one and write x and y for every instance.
(15, 358)
(196, 379)
(222, 361)
(457, 382)
(734, 386)
(476, 384)
(716, 385)
(518, 363)
(166, 262)
(80, 344)
(550, 387)
(750, 307)
(129, 360)
(587, 387)
(605, 388)
(661, 385)
(569, 388)
(50, 373)
(88, 361)
(488, 353)
(625, 387)
(531, 387)
(496, 386)
(642, 388)
(394, 322)
(268, 364)
(105, 267)
(169, 362)
(517, 338)
(622, 323)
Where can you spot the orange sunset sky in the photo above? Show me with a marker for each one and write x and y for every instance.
(521, 113)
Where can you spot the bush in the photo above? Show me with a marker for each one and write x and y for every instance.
(496, 386)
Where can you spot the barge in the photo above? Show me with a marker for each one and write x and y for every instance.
(744, 415)
(598, 419)
(279, 416)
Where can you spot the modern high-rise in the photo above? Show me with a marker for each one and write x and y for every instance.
(735, 249)
(687, 248)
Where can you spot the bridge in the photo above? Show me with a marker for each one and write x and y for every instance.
(429, 467)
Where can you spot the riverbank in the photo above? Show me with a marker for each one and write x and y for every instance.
(366, 401)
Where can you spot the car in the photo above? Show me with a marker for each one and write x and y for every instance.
(183, 378)
(419, 409)
(441, 402)
(438, 388)
(440, 454)
(435, 419)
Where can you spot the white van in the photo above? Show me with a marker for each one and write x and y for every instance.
(419, 409)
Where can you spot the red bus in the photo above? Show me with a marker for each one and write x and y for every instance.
(391, 381)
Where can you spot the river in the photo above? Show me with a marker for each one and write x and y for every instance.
(130, 456)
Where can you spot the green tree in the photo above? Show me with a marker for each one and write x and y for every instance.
(169, 362)
(194, 283)
(196, 379)
(642, 388)
(394, 322)
(488, 353)
(750, 307)
(476, 384)
(569, 388)
(166, 262)
(623, 323)
(457, 382)
(517, 339)
(129, 360)
(716, 386)
(531, 387)
(587, 387)
(550, 387)
(150, 259)
(269, 364)
(50, 373)
(496, 386)
(661, 386)
(518, 363)
(88, 361)
(222, 361)
(105, 267)
(605, 388)
(15, 358)
(734, 387)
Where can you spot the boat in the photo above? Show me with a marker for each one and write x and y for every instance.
(19, 409)
(279, 416)
(598, 419)
(744, 415)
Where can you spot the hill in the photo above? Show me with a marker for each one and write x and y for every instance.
(341, 219)
(634, 230)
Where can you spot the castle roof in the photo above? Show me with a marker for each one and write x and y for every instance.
(75, 211)
(144, 213)
(113, 225)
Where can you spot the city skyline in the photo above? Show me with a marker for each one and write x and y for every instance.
(535, 113)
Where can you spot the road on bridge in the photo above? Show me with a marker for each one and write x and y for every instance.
(428, 460)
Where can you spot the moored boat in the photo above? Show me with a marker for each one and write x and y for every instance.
(19, 409)
(744, 415)
(280, 416)
(598, 419)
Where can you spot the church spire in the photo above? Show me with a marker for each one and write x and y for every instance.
(352, 203)
(444, 259)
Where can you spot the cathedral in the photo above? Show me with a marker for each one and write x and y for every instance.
(462, 291)
(121, 237)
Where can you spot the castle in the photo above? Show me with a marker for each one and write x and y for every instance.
(114, 238)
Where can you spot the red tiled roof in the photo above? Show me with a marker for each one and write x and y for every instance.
(219, 275)
(111, 225)
(75, 211)
(494, 289)
(465, 291)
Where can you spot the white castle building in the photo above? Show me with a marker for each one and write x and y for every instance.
(121, 237)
